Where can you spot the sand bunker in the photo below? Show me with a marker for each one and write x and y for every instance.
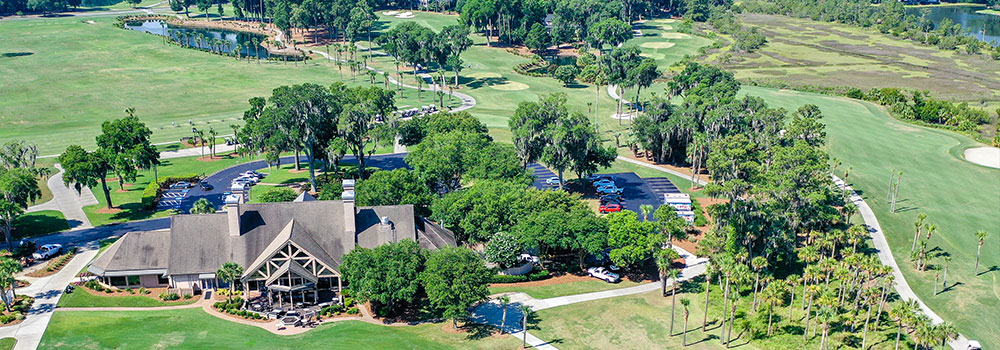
(666, 27)
(657, 45)
(406, 14)
(390, 13)
(623, 116)
(985, 156)
(510, 86)
(675, 35)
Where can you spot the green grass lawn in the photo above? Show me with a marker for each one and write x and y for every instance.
(958, 196)
(79, 74)
(81, 298)
(43, 186)
(7, 343)
(39, 223)
(129, 201)
(194, 329)
(642, 321)
(286, 174)
(564, 289)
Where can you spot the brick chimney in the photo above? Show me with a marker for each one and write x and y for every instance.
(233, 212)
(350, 228)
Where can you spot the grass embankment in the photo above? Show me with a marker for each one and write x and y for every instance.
(93, 71)
(81, 297)
(194, 329)
(39, 223)
(958, 196)
(642, 321)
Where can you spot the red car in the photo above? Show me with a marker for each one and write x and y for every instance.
(610, 208)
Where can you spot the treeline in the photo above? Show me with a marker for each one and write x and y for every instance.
(21, 7)
(888, 18)
(919, 105)
(745, 39)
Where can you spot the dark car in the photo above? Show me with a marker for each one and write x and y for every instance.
(612, 198)
(205, 186)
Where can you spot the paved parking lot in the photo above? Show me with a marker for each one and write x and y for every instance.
(636, 190)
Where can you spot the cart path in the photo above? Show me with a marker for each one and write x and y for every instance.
(698, 181)
(67, 201)
(885, 255)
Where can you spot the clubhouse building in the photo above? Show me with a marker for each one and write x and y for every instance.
(287, 247)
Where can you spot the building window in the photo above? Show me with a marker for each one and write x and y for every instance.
(162, 279)
(117, 281)
(133, 281)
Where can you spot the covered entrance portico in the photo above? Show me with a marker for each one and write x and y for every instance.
(294, 267)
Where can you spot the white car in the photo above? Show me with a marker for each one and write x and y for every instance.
(552, 181)
(612, 189)
(47, 251)
(603, 274)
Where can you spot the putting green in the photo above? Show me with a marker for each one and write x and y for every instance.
(509, 86)
(483, 75)
(657, 45)
(666, 20)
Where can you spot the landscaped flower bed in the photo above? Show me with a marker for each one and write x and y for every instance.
(20, 307)
(232, 307)
(350, 308)
(95, 288)
(54, 265)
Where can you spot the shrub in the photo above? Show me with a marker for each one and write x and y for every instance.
(143, 290)
(352, 311)
(278, 194)
(348, 302)
(534, 275)
(150, 195)
(187, 296)
(169, 297)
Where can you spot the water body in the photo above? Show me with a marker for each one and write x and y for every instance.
(187, 36)
(982, 26)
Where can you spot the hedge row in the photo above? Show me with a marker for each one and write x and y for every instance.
(151, 194)
(534, 275)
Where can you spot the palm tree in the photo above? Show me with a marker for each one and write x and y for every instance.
(230, 272)
(981, 235)
(792, 281)
(646, 209)
(684, 337)
(709, 272)
(758, 264)
(945, 331)
(916, 226)
(8, 269)
(673, 297)
(944, 280)
(420, 87)
(812, 291)
(202, 206)
(771, 295)
(664, 259)
(931, 228)
(923, 331)
(902, 313)
(525, 311)
(504, 301)
(825, 316)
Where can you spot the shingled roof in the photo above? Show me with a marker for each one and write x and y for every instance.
(200, 244)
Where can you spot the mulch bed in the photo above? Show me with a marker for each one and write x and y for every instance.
(53, 266)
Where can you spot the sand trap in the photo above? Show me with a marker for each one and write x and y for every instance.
(666, 27)
(624, 116)
(89, 22)
(510, 86)
(390, 13)
(657, 45)
(405, 15)
(653, 55)
(985, 156)
(675, 35)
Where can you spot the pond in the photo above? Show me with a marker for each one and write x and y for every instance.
(204, 38)
(983, 26)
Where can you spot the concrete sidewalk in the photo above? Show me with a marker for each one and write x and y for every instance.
(46, 293)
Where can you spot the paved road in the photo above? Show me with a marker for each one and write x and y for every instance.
(492, 312)
(68, 201)
(885, 255)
